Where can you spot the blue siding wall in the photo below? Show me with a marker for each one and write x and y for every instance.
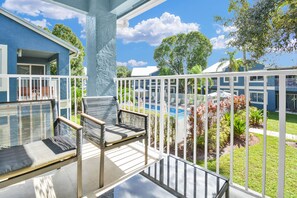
(17, 36)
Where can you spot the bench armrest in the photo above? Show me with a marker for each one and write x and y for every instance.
(70, 123)
(134, 113)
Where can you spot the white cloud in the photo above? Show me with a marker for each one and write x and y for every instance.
(220, 42)
(225, 29)
(36, 8)
(122, 64)
(41, 23)
(154, 30)
(133, 63)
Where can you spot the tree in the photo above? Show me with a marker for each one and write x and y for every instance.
(267, 26)
(66, 34)
(238, 8)
(234, 64)
(123, 72)
(179, 53)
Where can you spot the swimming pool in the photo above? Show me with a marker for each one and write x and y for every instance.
(180, 112)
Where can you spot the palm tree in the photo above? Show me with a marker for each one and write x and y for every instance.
(234, 64)
(197, 69)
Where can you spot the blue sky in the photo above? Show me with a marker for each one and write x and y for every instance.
(136, 43)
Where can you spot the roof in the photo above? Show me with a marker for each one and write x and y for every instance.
(217, 67)
(281, 68)
(144, 71)
(31, 26)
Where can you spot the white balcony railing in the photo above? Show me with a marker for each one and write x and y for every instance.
(66, 90)
(290, 82)
(174, 128)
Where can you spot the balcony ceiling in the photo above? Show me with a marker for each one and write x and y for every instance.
(125, 9)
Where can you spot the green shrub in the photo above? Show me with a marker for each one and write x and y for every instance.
(239, 126)
(212, 136)
(256, 116)
(239, 122)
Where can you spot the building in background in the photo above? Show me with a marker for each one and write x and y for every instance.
(256, 86)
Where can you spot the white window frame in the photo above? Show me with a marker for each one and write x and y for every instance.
(30, 66)
(3, 69)
(255, 81)
(256, 92)
(227, 81)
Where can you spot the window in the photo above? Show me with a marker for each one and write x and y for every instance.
(235, 79)
(3, 66)
(257, 78)
(27, 69)
(257, 97)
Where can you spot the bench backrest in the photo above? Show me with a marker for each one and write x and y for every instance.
(104, 108)
(26, 121)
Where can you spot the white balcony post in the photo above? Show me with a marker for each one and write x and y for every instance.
(162, 113)
(144, 95)
(129, 95)
(7, 88)
(264, 138)
(195, 121)
(30, 87)
(247, 122)
(185, 119)
(176, 117)
(282, 136)
(134, 84)
(206, 124)
(20, 88)
(125, 101)
(75, 102)
(121, 94)
(168, 115)
(218, 127)
(231, 128)
(150, 110)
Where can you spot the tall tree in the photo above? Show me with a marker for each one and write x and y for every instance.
(69, 36)
(179, 53)
(267, 26)
(238, 8)
(123, 72)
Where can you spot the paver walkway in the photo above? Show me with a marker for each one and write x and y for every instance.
(272, 133)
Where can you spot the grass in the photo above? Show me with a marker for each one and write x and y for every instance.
(273, 123)
(255, 167)
(77, 117)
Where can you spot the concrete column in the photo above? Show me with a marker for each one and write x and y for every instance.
(101, 49)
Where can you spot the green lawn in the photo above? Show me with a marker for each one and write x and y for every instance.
(273, 123)
(255, 167)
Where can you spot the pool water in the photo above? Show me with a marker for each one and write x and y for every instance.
(180, 112)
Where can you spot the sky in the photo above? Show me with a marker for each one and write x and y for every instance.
(136, 43)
